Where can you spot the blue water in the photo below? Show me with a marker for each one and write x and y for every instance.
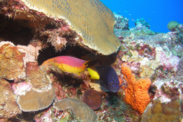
(156, 12)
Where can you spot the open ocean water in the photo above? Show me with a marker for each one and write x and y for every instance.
(156, 12)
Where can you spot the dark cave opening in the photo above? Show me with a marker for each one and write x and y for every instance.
(12, 30)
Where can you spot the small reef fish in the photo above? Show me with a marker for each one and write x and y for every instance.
(67, 64)
(107, 75)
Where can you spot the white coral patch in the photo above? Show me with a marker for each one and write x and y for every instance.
(6, 42)
(31, 53)
(21, 88)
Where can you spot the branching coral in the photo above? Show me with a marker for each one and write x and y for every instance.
(136, 94)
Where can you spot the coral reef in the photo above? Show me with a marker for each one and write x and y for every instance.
(36, 76)
(172, 25)
(121, 23)
(157, 111)
(141, 23)
(69, 24)
(8, 105)
(21, 88)
(136, 93)
(36, 100)
(51, 43)
(80, 109)
(167, 90)
(11, 62)
(140, 64)
(179, 75)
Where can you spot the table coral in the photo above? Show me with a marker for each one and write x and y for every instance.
(136, 93)
(88, 24)
(36, 100)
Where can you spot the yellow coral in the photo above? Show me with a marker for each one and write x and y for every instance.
(136, 94)
(91, 19)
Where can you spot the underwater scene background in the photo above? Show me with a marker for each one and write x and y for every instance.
(156, 12)
(79, 61)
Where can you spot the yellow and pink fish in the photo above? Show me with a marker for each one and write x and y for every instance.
(67, 64)
(74, 65)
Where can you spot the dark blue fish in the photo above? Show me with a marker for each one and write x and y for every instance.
(109, 78)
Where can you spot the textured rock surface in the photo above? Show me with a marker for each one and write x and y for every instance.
(94, 22)
(36, 100)
(80, 109)
(8, 106)
(158, 112)
(11, 62)
(179, 75)
(36, 76)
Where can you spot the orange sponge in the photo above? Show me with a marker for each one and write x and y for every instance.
(136, 94)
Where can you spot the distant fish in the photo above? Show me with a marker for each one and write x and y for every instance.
(126, 11)
(108, 76)
(66, 64)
